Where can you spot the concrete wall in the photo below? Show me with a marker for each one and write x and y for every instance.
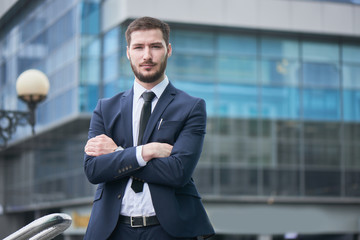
(269, 219)
(5, 6)
(280, 15)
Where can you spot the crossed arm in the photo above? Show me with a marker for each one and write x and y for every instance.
(103, 144)
(166, 164)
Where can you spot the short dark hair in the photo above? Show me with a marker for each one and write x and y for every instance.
(147, 23)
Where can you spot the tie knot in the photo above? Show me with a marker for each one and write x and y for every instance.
(148, 96)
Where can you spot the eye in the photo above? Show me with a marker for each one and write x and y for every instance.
(137, 47)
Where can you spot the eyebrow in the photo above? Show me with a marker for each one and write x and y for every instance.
(151, 44)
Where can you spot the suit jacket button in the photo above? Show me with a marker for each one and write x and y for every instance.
(119, 170)
(119, 196)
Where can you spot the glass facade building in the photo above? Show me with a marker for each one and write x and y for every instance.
(283, 107)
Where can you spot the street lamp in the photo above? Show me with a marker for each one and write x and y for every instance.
(32, 87)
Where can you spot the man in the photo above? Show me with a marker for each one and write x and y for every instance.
(143, 163)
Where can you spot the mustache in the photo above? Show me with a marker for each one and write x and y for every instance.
(148, 62)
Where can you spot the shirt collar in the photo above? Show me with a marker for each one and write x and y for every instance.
(158, 89)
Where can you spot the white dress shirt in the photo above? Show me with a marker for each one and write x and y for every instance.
(140, 204)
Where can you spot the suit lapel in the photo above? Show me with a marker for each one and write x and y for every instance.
(126, 123)
(165, 99)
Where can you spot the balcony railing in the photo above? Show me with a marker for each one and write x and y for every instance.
(44, 228)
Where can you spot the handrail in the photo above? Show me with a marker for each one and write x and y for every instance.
(44, 228)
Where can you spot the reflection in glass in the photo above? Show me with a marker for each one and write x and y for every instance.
(351, 76)
(320, 51)
(351, 105)
(351, 53)
(281, 182)
(280, 102)
(321, 104)
(237, 45)
(234, 69)
(321, 75)
(279, 48)
(322, 183)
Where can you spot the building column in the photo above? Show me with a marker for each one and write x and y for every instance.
(264, 237)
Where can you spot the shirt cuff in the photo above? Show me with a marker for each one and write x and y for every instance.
(139, 157)
(119, 148)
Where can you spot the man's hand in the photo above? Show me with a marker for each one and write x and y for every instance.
(100, 145)
(156, 150)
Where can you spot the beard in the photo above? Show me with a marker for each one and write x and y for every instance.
(151, 77)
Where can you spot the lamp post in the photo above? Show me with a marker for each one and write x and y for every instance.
(32, 87)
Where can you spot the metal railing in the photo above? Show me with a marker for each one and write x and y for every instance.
(44, 228)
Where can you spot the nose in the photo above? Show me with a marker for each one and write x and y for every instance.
(147, 53)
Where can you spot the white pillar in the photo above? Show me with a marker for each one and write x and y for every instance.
(264, 237)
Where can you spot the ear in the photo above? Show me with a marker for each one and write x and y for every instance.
(169, 50)
(127, 52)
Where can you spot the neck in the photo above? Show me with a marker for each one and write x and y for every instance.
(149, 86)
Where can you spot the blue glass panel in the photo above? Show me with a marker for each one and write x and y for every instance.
(238, 100)
(201, 90)
(322, 182)
(110, 69)
(111, 88)
(90, 70)
(192, 67)
(126, 82)
(351, 101)
(278, 47)
(351, 53)
(319, 51)
(280, 71)
(196, 42)
(236, 45)
(125, 68)
(88, 97)
(280, 102)
(90, 46)
(111, 41)
(321, 104)
(59, 107)
(31, 27)
(234, 69)
(351, 76)
(61, 31)
(321, 74)
(90, 16)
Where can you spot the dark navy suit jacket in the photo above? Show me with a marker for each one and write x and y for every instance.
(175, 198)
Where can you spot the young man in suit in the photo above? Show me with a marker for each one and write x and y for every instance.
(143, 147)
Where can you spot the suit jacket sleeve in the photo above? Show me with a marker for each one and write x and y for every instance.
(177, 169)
(112, 166)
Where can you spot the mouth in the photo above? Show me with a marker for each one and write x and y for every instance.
(147, 65)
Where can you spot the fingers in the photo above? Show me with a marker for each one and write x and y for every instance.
(164, 149)
(156, 150)
(99, 145)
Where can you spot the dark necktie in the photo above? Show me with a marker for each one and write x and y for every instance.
(137, 185)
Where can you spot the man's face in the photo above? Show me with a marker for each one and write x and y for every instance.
(148, 55)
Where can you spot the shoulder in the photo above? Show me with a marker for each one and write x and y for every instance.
(187, 102)
(116, 98)
(184, 96)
